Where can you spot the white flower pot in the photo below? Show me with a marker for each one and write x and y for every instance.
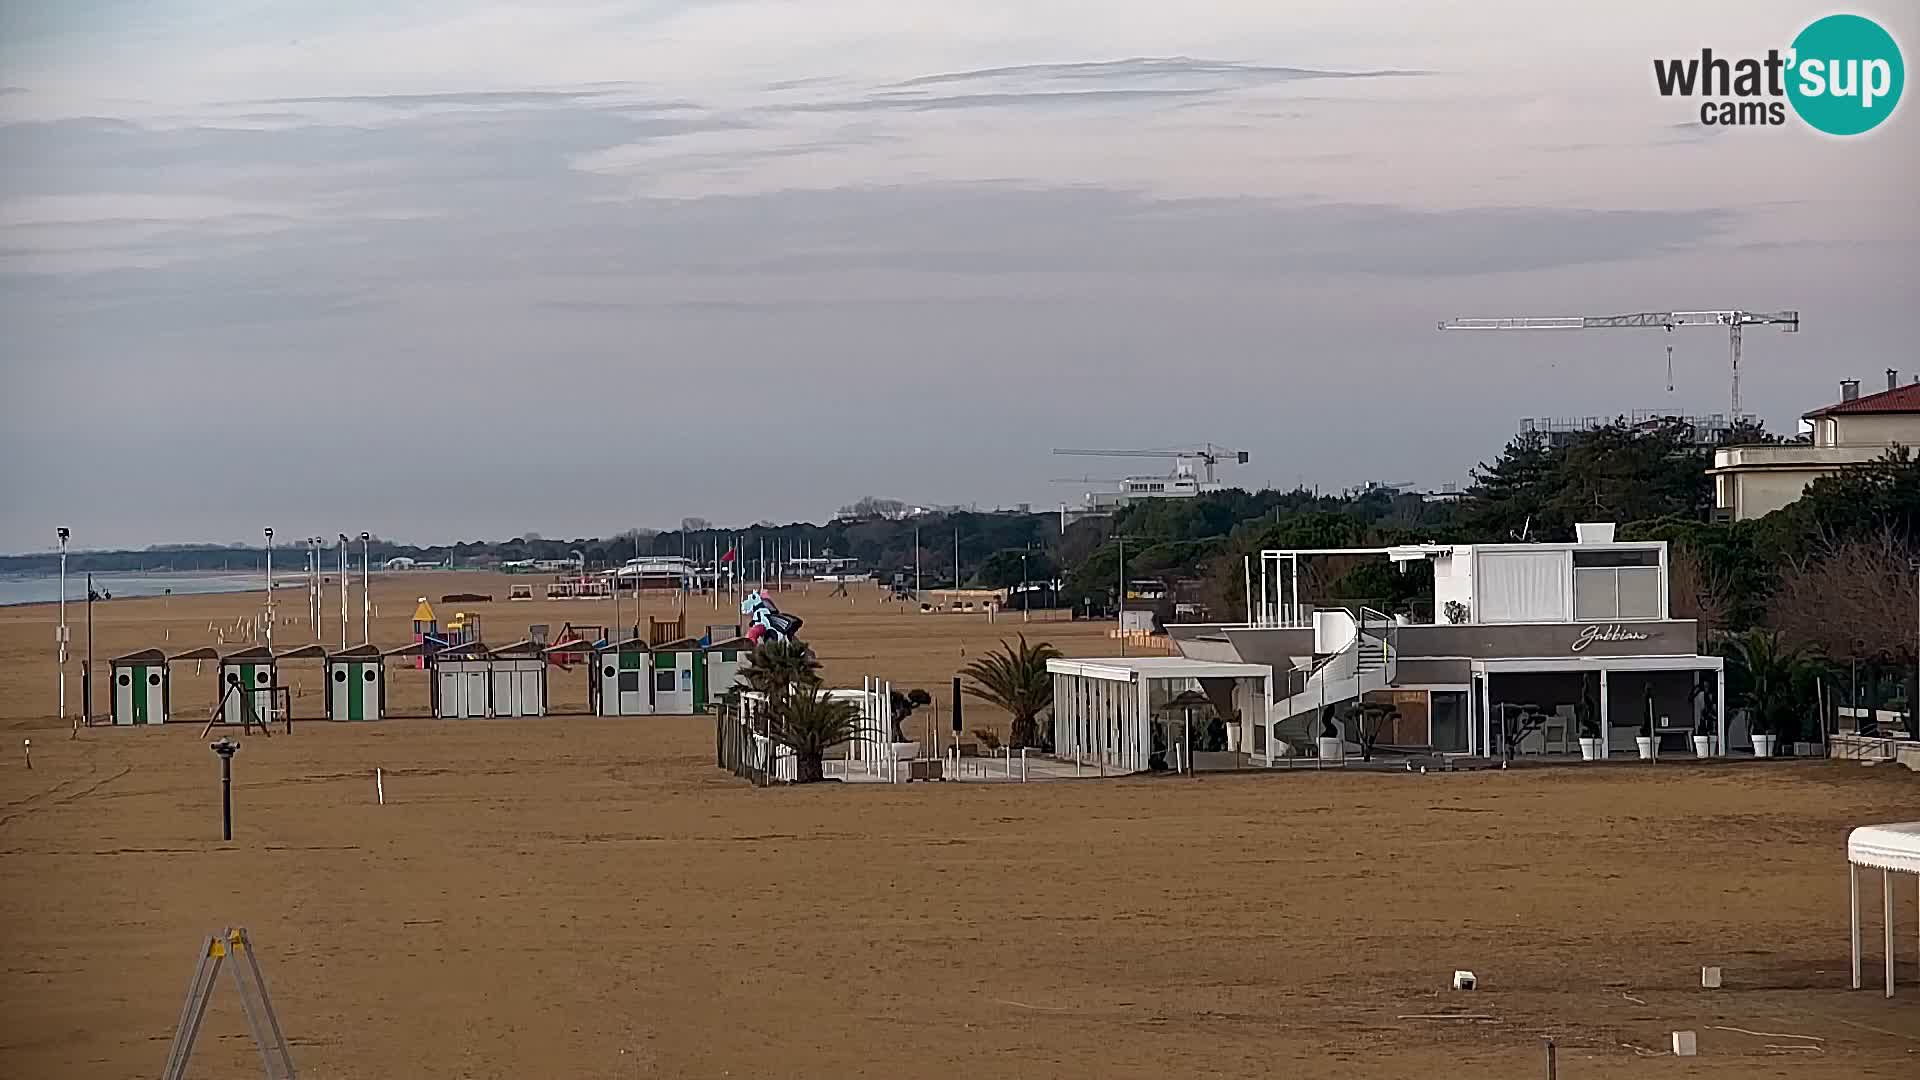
(905, 751)
(1703, 746)
(1333, 750)
(1719, 747)
(1589, 749)
(1763, 745)
(1645, 743)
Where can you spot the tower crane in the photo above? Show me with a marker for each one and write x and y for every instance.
(1649, 320)
(1208, 456)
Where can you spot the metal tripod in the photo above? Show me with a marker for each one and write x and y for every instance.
(275, 1060)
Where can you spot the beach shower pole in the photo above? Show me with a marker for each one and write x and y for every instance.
(366, 587)
(62, 636)
(86, 672)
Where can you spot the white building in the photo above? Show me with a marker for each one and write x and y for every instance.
(1753, 481)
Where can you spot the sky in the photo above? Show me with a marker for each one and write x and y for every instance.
(451, 270)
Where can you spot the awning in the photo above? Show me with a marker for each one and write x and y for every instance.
(1595, 663)
(1886, 847)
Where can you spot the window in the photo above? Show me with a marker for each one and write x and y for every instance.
(153, 679)
(663, 681)
(630, 682)
(1602, 593)
(126, 679)
(340, 675)
(1631, 557)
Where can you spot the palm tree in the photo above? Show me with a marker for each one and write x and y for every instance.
(1769, 675)
(1017, 680)
(774, 668)
(809, 723)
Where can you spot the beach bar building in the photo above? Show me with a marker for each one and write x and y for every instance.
(356, 684)
(142, 687)
(1105, 710)
(1540, 628)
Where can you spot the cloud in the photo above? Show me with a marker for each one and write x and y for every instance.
(1145, 68)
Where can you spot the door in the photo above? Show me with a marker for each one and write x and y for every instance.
(528, 698)
(1449, 719)
(339, 691)
(452, 690)
(129, 695)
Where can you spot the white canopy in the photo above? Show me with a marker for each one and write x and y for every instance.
(1886, 847)
(1891, 849)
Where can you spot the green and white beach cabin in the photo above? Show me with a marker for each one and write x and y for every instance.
(142, 687)
(253, 671)
(356, 684)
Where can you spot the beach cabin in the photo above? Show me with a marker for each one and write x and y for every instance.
(724, 659)
(356, 684)
(623, 679)
(679, 677)
(460, 682)
(142, 687)
(244, 674)
(519, 677)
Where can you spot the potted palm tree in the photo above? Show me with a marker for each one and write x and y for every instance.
(901, 707)
(1706, 691)
(1016, 679)
(809, 723)
(1586, 716)
(1768, 669)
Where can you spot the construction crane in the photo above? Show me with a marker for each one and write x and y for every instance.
(1208, 456)
(1649, 320)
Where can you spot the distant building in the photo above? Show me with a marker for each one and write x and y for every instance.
(1702, 431)
(1753, 481)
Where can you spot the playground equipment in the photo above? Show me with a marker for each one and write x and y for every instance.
(661, 631)
(765, 621)
(276, 1060)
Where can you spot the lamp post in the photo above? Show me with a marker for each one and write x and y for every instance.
(1026, 604)
(1123, 595)
(62, 635)
(269, 535)
(343, 592)
(366, 587)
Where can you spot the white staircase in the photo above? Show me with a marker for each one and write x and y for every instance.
(1359, 657)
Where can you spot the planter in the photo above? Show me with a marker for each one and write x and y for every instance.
(1703, 746)
(1645, 744)
(905, 751)
(1806, 749)
(1333, 750)
(1589, 749)
(1763, 745)
(1719, 748)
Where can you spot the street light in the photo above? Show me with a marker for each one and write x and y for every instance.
(269, 533)
(62, 635)
(366, 587)
(1025, 604)
(343, 592)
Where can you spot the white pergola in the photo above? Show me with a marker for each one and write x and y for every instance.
(1480, 736)
(1102, 709)
(1891, 849)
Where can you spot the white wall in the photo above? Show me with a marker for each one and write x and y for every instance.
(1878, 429)
(1453, 581)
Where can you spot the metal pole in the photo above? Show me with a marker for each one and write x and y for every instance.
(86, 688)
(1026, 606)
(269, 535)
(1553, 1066)
(343, 592)
(226, 796)
(366, 587)
(916, 564)
(1294, 620)
(1123, 599)
(63, 624)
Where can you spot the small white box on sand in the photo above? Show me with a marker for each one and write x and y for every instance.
(1464, 980)
(1684, 1044)
(1710, 978)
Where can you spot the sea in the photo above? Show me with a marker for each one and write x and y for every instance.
(37, 589)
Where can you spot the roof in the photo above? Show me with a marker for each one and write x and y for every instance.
(305, 652)
(144, 656)
(632, 644)
(368, 651)
(685, 644)
(423, 613)
(204, 652)
(1889, 847)
(412, 648)
(1900, 399)
(523, 647)
(732, 643)
(259, 654)
(1127, 668)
